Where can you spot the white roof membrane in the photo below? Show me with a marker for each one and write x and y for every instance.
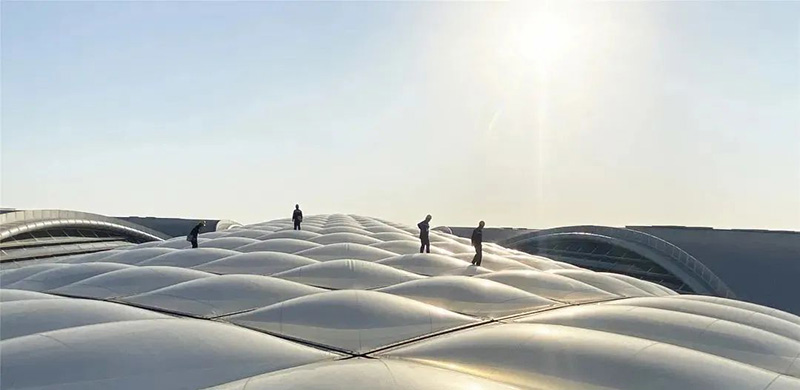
(352, 320)
(365, 374)
(10, 295)
(147, 354)
(129, 281)
(62, 276)
(162, 315)
(734, 341)
(256, 263)
(188, 258)
(348, 274)
(346, 251)
(473, 296)
(433, 265)
(549, 285)
(221, 295)
(283, 245)
(22, 318)
(536, 356)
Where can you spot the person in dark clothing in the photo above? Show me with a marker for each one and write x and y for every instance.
(192, 237)
(477, 242)
(424, 228)
(297, 217)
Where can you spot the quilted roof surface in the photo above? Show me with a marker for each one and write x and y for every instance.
(349, 303)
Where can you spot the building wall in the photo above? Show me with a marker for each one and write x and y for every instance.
(759, 266)
(491, 234)
(173, 227)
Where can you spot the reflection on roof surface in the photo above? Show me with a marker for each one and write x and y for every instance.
(348, 303)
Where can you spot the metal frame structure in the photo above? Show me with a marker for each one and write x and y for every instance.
(680, 264)
(30, 234)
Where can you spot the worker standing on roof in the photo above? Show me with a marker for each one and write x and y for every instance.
(425, 240)
(192, 237)
(297, 217)
(477, 242)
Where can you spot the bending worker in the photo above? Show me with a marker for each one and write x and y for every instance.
(192, 237)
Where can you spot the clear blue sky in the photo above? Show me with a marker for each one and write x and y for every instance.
(523, 114)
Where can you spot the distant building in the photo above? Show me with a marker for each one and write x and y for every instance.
(33, 234)
(37, 234)
(759, 266)
(176, 227)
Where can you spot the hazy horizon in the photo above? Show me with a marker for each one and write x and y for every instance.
(523, 114)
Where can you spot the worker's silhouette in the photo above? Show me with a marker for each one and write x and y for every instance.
(477, 242)
(192, 237)
(297, 217)
(425, 240)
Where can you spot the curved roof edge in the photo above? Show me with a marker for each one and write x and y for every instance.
(443, 229)
(225, 224)
(23, 221)
(667, 255)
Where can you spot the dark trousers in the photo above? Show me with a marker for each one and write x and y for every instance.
(425, 245)
(478, 254)
(296, 225)
(194, 242)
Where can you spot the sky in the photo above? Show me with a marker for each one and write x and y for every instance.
(526, 114)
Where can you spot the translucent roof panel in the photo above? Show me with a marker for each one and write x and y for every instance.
(129, 281)
(473, 296)
(365, 374)
(338, 238)
(348, 274)
(181, 243)
(723, 312)
(392, 236)
(384, 229)
(562, 357)
(22, 318)
(408, 246)
(97, 256)
(494, 262)
(134, 256)
(246, 233)
(147, 354)
(719, 337)
(346, 251)
(351, 320)
(603, 282)
(257, 263)
(536, 262)
(651, 288)
(295, 234)
(349, 303)
(62, 276)
(341, 228)
(229, 242)
(221, 295)
(187, 258)
(14, 275)
(10, 295)
(549, 285)
(284, 245)
(452, 246)
(433, 265)
(744, 305)
(214, 235)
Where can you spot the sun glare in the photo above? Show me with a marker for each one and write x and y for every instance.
(544, 40)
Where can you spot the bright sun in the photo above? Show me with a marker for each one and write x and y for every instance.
(545, 40)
